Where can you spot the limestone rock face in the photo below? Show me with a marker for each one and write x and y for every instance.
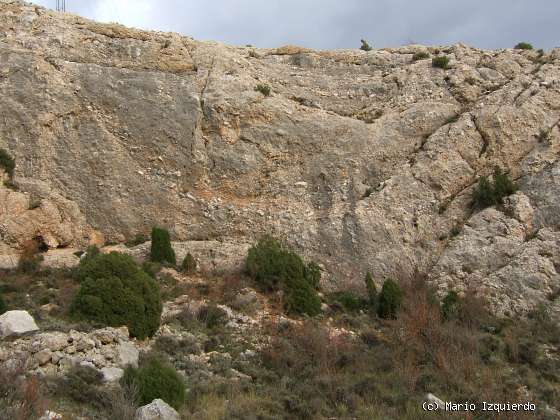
(16, 323)
(362, 161)
(127, 354)
(504, 258)
(112, 374)
(157, 410)
(109, 350)
(36, 213)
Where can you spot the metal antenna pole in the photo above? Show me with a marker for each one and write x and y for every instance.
(61, 5)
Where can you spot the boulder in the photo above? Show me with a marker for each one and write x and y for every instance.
(16, 323)
(112, 374)
(55, 341)
(433, 399)
(127, 355)
(245, 298)
(157, 410)
(43, 357)
(50, 415)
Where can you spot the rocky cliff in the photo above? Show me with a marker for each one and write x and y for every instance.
(361, 160)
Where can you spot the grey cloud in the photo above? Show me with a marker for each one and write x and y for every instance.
(328, 24)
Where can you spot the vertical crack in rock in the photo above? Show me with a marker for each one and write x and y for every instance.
(484, 136)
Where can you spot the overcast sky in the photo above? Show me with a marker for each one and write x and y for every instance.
(329, 24)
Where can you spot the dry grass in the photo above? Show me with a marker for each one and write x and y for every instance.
(291, 50)
(21, 398)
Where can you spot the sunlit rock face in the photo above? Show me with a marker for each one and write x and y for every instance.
(360, 160)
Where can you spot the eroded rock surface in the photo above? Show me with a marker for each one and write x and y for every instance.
(54, 353)
(14, 323)
(157, 410)
(361, 160)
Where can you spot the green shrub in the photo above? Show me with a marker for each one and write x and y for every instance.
(96, 265)
(92, 251)
(7, 163)
(483, 195)
(300, 296)
(82, 385)
(455, 231)
(489, 193)
(441, 62)
(189, 264)
(523, 46)
(452, 119)
(390, 300)
(161, 250)
(349, 301)
(371, 290)
(503, 185)
(313, 274)
(264, 89)
(156, 379)
(3, 306)
(151, 268)
(420, 55)
(212, 316)
(268, 263)
(365, 45)
(450, 306)
(138, 239)
(114, 291)
(274, 267)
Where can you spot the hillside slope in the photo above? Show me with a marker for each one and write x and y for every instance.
(361, 160)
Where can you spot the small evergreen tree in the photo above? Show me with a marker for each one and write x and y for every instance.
(371, 290)
(350, 302)
(441, 62)
(365, 45)
(274, 267)
(189, 264)
(264, 89)
(483, 195)
(156, 379)
(523, 46)
(115, 291)
(161, 250)
(450, 306)
(266, 263)
(503, 185)
(313, 274)
(7, 163)
(300, 297)
(390, 300)
(491, 193)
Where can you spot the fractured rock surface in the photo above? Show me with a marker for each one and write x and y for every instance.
(360, 160)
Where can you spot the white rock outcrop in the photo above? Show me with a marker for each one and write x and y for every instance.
(157, 410)
(17, 323)
(112, 374)
(127, 355)
(108, 350)
(360, 161)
